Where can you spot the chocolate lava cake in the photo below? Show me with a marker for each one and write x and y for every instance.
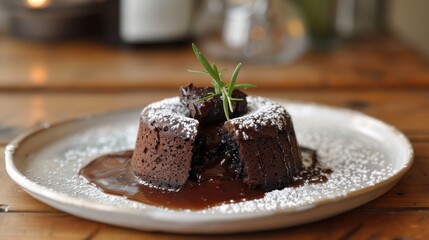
(179, 137)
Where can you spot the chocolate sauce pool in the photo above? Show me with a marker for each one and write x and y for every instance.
(112, 174)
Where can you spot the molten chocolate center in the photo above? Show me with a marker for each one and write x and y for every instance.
(215, 185)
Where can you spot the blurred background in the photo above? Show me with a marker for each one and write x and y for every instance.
(253, 30)
(62, 40)
(258, 31)
(102, 55)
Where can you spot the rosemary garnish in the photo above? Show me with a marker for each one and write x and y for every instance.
(222, 89)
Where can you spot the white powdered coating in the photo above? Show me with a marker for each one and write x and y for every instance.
(262, 112)
(170, 112)
(357, 161)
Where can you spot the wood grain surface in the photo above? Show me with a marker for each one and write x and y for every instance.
(381, 77)
(376, 62)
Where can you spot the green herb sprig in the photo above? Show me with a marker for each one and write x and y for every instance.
(222, 89)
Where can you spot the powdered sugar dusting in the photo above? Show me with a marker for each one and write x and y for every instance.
(357, 160)
(262, 112)
(172, 114)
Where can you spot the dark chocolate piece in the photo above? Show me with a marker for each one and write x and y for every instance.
(210, 111)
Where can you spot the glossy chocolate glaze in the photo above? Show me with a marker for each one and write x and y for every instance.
(216, 183)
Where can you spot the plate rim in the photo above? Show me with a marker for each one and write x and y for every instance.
(191, 216)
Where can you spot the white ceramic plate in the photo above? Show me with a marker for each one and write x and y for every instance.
(367, 158)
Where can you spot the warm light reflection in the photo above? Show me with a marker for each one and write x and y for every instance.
(38, 3)
(295, 27)
(38, 74)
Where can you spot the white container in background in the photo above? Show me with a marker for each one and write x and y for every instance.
(154, 20)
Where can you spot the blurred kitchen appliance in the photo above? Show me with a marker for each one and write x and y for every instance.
(147, 21)
(258, 31)
(52, 19)
(331, 20)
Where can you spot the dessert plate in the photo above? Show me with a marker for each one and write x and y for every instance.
(367, 157)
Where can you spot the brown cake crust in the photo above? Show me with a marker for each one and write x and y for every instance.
(264, 142)
(165, 144)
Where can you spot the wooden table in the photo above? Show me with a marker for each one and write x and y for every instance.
(379, 76)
